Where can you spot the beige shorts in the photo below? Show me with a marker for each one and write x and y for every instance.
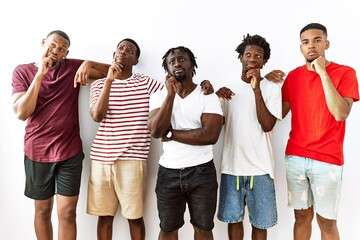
(111, 185)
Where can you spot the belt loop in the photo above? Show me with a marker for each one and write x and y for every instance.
(251, 182)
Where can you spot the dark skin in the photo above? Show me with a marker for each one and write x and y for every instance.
(55, 48)
(124, 58)
(159, 121)
(252, 61)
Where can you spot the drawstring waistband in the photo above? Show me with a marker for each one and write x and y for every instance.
(238, 182)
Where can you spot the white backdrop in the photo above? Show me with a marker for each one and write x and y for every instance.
(212, 30)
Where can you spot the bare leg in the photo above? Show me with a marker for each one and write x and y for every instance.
(168, 235)
(137, 229)
(66, 209)
(236, 231)
(328, 228)
(42, 219)
(105, 227)
(258, 234)
(302, 226)
(202, 234)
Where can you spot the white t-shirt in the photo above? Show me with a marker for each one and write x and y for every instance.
(186, 114)
(247, 149)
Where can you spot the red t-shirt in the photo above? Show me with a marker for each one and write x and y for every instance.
(52, 132)
(314, 131)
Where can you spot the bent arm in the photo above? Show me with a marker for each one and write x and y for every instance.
(265, 118)
(99, 109)
(159, 120)
(90, 70)
(24, 103)
(206, 135)
(285, 109)
(338, 106)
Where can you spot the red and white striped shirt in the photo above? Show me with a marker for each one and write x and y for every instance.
(123, 133)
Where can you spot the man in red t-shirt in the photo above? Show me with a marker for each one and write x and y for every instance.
(45, 94)
(320, 95)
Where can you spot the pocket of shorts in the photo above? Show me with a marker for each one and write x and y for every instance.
(207, 168)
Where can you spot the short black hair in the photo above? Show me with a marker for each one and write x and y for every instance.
(254, 40)
(61, 33)
(182, 49)
(314, 26)
(133, 42)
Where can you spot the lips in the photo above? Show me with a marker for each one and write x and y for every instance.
(178, 71)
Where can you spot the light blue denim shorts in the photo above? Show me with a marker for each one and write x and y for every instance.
(258, 194)
(311, 182)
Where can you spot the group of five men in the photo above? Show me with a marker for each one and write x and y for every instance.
(188, 118)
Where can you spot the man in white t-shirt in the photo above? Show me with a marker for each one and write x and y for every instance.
(189, 123)
(251, 108)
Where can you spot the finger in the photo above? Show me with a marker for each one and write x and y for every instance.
(46, 52)
(75, 79)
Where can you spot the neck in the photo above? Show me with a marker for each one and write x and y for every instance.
(185, 87)
(124, 75)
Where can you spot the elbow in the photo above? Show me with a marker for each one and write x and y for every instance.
(341, 118)
(213, 140)
(97, 117)
(268, 128)
(154, 133)
(21, 115)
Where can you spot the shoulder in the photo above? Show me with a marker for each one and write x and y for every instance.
(97, 83)
(72, 62)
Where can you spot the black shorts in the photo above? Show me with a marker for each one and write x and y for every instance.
(195, 186)
(43, 180)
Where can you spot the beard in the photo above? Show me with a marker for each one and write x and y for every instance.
(310, 59)
(180, 77)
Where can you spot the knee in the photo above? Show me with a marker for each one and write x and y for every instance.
(67, 213)
(326, 225)
(105, 220)
(303, 216)
(203, 234)
(136, 222)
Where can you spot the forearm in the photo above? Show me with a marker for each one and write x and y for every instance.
(25, 103)
(338, 106)
(207, 134)
(160, 119)
(98, 70)
(99, 109)
(265, 118)
(199, 136)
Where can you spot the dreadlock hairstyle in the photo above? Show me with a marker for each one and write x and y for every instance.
(61, 33)
(133, 42)
(182, 49)
(254, 40)
(317, 26)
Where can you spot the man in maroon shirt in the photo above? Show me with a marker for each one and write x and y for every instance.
(46, 95)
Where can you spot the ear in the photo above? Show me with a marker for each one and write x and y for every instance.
(327, 45)
(67, 52)
(265, 61)
(135, 62)
(43, 42)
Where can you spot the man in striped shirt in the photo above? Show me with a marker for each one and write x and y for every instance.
(120, 102)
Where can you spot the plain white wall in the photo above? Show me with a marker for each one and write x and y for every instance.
(212, 30)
